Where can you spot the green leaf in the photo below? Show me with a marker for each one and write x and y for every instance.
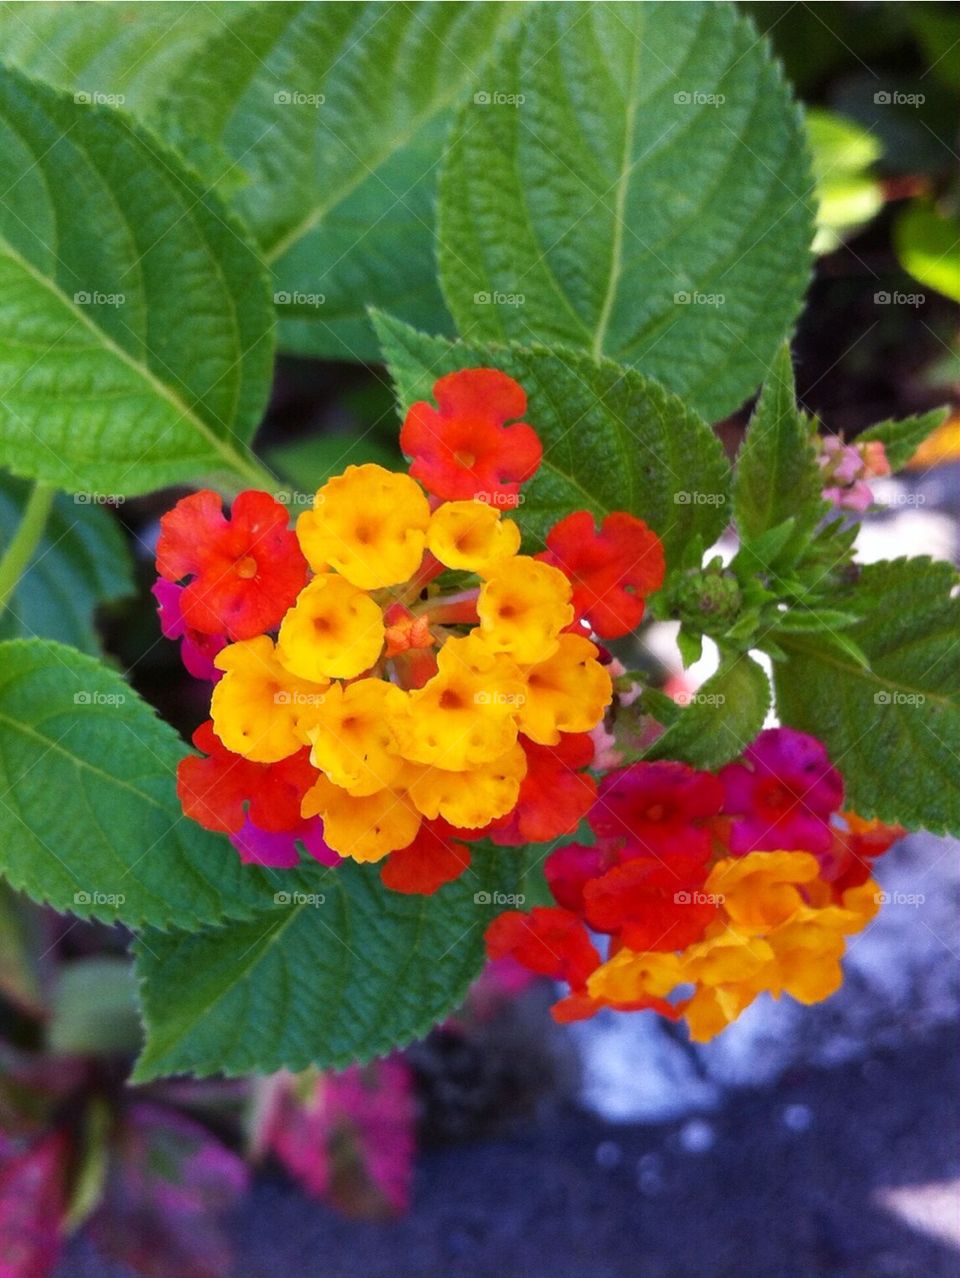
(309, 462)
(329, 120)
(81, 561)
(95, 1007)
(902, 438)
(893, 730)
(127, 52)
(344, 971)
(641, 189)
(720, 719)
(89, 818)
(136, 318)
(776, 475)
(612, 439)
(928, 246)
(847, 194)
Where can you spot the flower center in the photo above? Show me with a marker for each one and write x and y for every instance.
(247, 568)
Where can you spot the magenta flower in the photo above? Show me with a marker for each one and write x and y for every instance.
(782, 794)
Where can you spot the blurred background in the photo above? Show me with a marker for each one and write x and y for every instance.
(805, 1141)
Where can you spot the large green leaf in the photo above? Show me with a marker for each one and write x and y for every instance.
(776, 475)
(612, 438)
(720, 719)
(343, 971)
(330, 120)
(892, 729)
(89, 818)
(637, 185)
(135, 318)
(125, 52)
(81, 561)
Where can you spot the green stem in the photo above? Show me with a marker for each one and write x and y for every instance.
(16, 558)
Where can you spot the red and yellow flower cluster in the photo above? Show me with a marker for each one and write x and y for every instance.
(711, 888)
(395, 678)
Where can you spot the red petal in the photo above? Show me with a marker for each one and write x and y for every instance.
(431, 860)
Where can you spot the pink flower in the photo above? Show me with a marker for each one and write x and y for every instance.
(782, 794)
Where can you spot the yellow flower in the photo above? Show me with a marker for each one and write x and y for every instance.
(808, 951)
(712, 1008)
(633, 975)
(470, 799)
(471, 536)
(364, 827)
(353, 740)
(523, 606)
(259, 709)
(567, 693)
(369, 524)
(467, 713)
(759, 890)
(333, 631)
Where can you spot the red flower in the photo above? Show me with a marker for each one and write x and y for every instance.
(432, 859)
(580, 1007)
(849, 863)
(651, 905)
(569, 869)
(658, 809)
(246, 571)
(463, 449)
(612, 571)
(782, 794)
(554, 794)
(216, 791)
(548, 941)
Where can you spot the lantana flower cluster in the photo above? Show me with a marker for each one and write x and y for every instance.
(394, 678)
(710, 888)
